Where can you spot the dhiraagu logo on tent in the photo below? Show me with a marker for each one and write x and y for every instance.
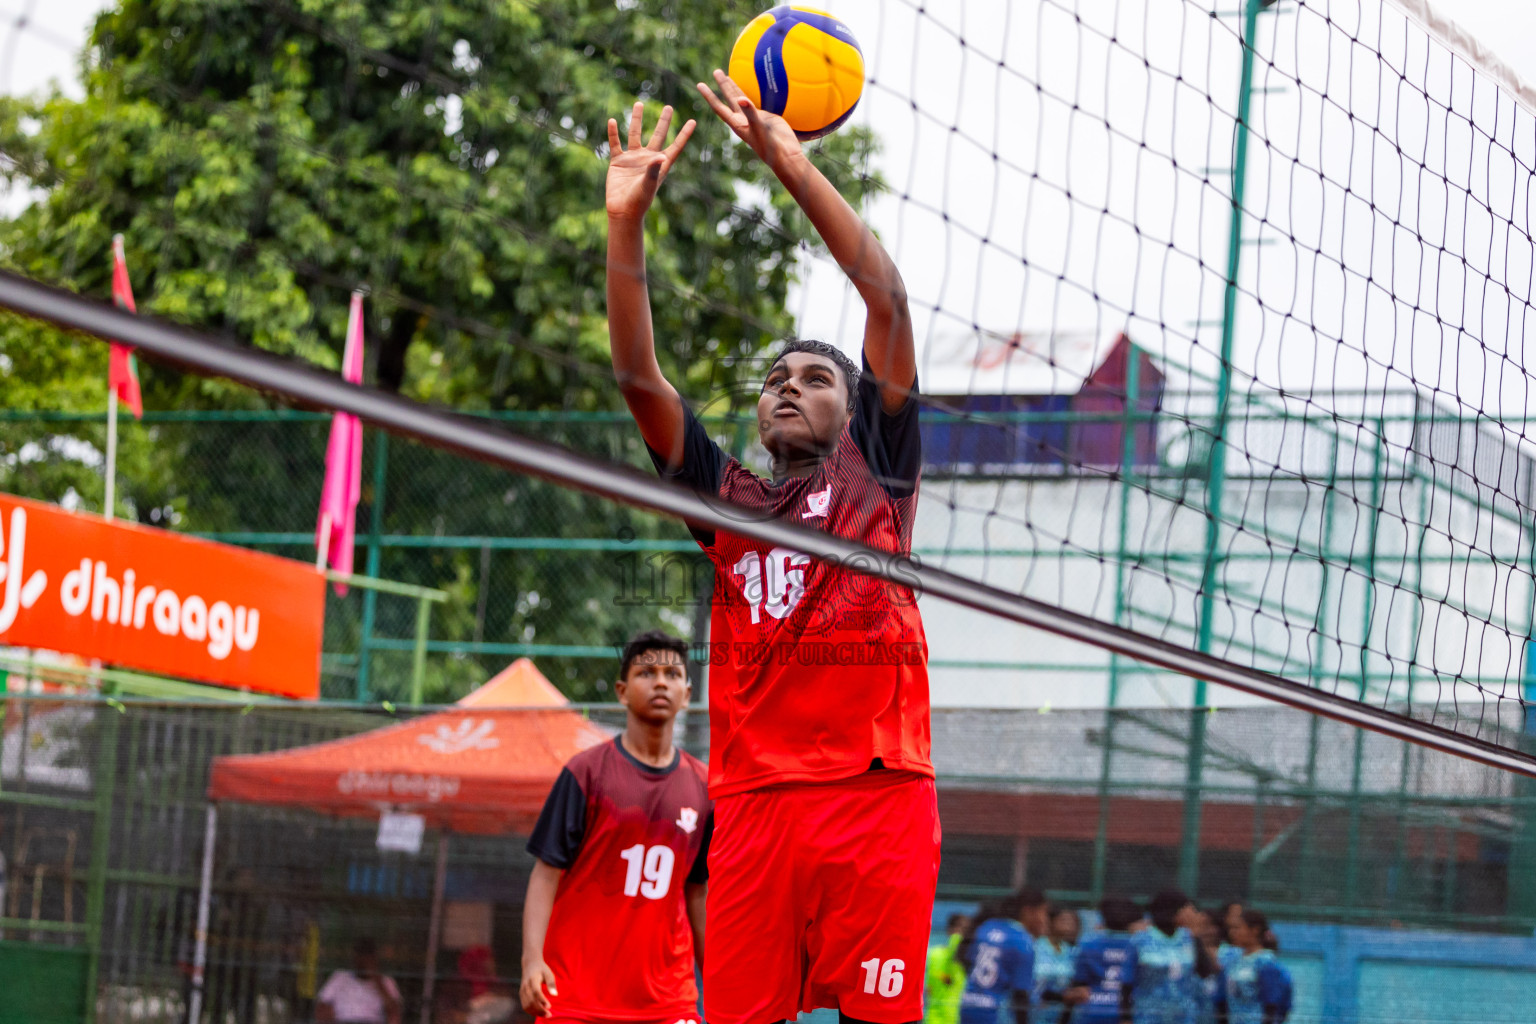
(469, 734)
(155, 600)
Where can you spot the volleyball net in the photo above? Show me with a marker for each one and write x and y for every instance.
(1220, 312)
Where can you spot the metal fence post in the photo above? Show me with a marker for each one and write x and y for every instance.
(1106, 767)
(1319, 652)
(105, 779)
(1189, 848)
(1352, 860)
(204, 901)
(419, 654)
(1521, 884)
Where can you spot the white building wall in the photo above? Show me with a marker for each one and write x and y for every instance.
(1444, 622)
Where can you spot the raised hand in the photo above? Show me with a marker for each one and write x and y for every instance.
(769, 135)
(634, 174)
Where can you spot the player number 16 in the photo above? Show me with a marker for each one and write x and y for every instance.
(883, 976)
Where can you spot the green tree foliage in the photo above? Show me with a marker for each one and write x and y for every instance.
(264, 157)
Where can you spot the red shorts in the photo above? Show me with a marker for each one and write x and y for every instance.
(821, 895)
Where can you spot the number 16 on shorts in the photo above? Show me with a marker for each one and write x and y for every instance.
(883, 977)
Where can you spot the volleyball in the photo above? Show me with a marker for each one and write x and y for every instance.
(802, 64)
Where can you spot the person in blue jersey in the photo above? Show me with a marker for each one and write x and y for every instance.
(1105, 968)
(1055, 961)
(1255, 989)
(1228, 917)
(1209, 937)
(1169, 966)
(1000, 958)
(1288, 984)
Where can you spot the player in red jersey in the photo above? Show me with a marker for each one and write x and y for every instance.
(614, 918)
(826, 852)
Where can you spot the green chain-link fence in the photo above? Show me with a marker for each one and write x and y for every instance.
(531, 569)
(102, 825)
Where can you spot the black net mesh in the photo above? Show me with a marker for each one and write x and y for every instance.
(1220, 320)
(1217, 328)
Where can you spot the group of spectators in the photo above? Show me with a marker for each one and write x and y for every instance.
(1168, 962)
(366, 995)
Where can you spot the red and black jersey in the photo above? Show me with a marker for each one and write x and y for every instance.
(816, 672)
(629, 837)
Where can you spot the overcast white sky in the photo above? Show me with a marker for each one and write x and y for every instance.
(1153, 266)
(1050, 263)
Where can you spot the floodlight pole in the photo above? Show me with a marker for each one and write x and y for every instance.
(1189, 848)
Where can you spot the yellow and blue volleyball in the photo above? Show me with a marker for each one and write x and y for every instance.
(802, 64)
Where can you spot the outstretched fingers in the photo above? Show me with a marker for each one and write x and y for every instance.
(733, 93)
(663, 123)
(673, 151)
(749, 111)
(636, 119)
(614, 147)
(721, 110)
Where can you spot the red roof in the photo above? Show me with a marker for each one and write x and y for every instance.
(479, 767)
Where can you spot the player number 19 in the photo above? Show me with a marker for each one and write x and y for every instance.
(648, 871)
(883, 976)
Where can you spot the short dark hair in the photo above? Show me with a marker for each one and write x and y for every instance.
(954, 921)
(1219, 915)
(1163, 908)
(1167, 901)
(365, 946)
(850, 372)
(1118, 913)
(650, 640)
(1013, 905)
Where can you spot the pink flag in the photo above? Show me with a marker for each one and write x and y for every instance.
(336, 529)
(122, 368)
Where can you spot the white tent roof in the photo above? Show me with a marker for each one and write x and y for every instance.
(982, 362)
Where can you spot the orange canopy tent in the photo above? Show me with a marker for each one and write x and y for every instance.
(478, 767)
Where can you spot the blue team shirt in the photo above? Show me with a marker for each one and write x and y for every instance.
(1053, 973)
(1002, 963)
(1252, 985)
(1225, 956)
(1106, 963)
(1167, 989)
(1288, 989)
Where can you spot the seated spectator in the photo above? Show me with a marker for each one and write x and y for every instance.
(487, 1000)
(361, 995)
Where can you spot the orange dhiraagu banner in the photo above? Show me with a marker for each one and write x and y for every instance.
(158, 601)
